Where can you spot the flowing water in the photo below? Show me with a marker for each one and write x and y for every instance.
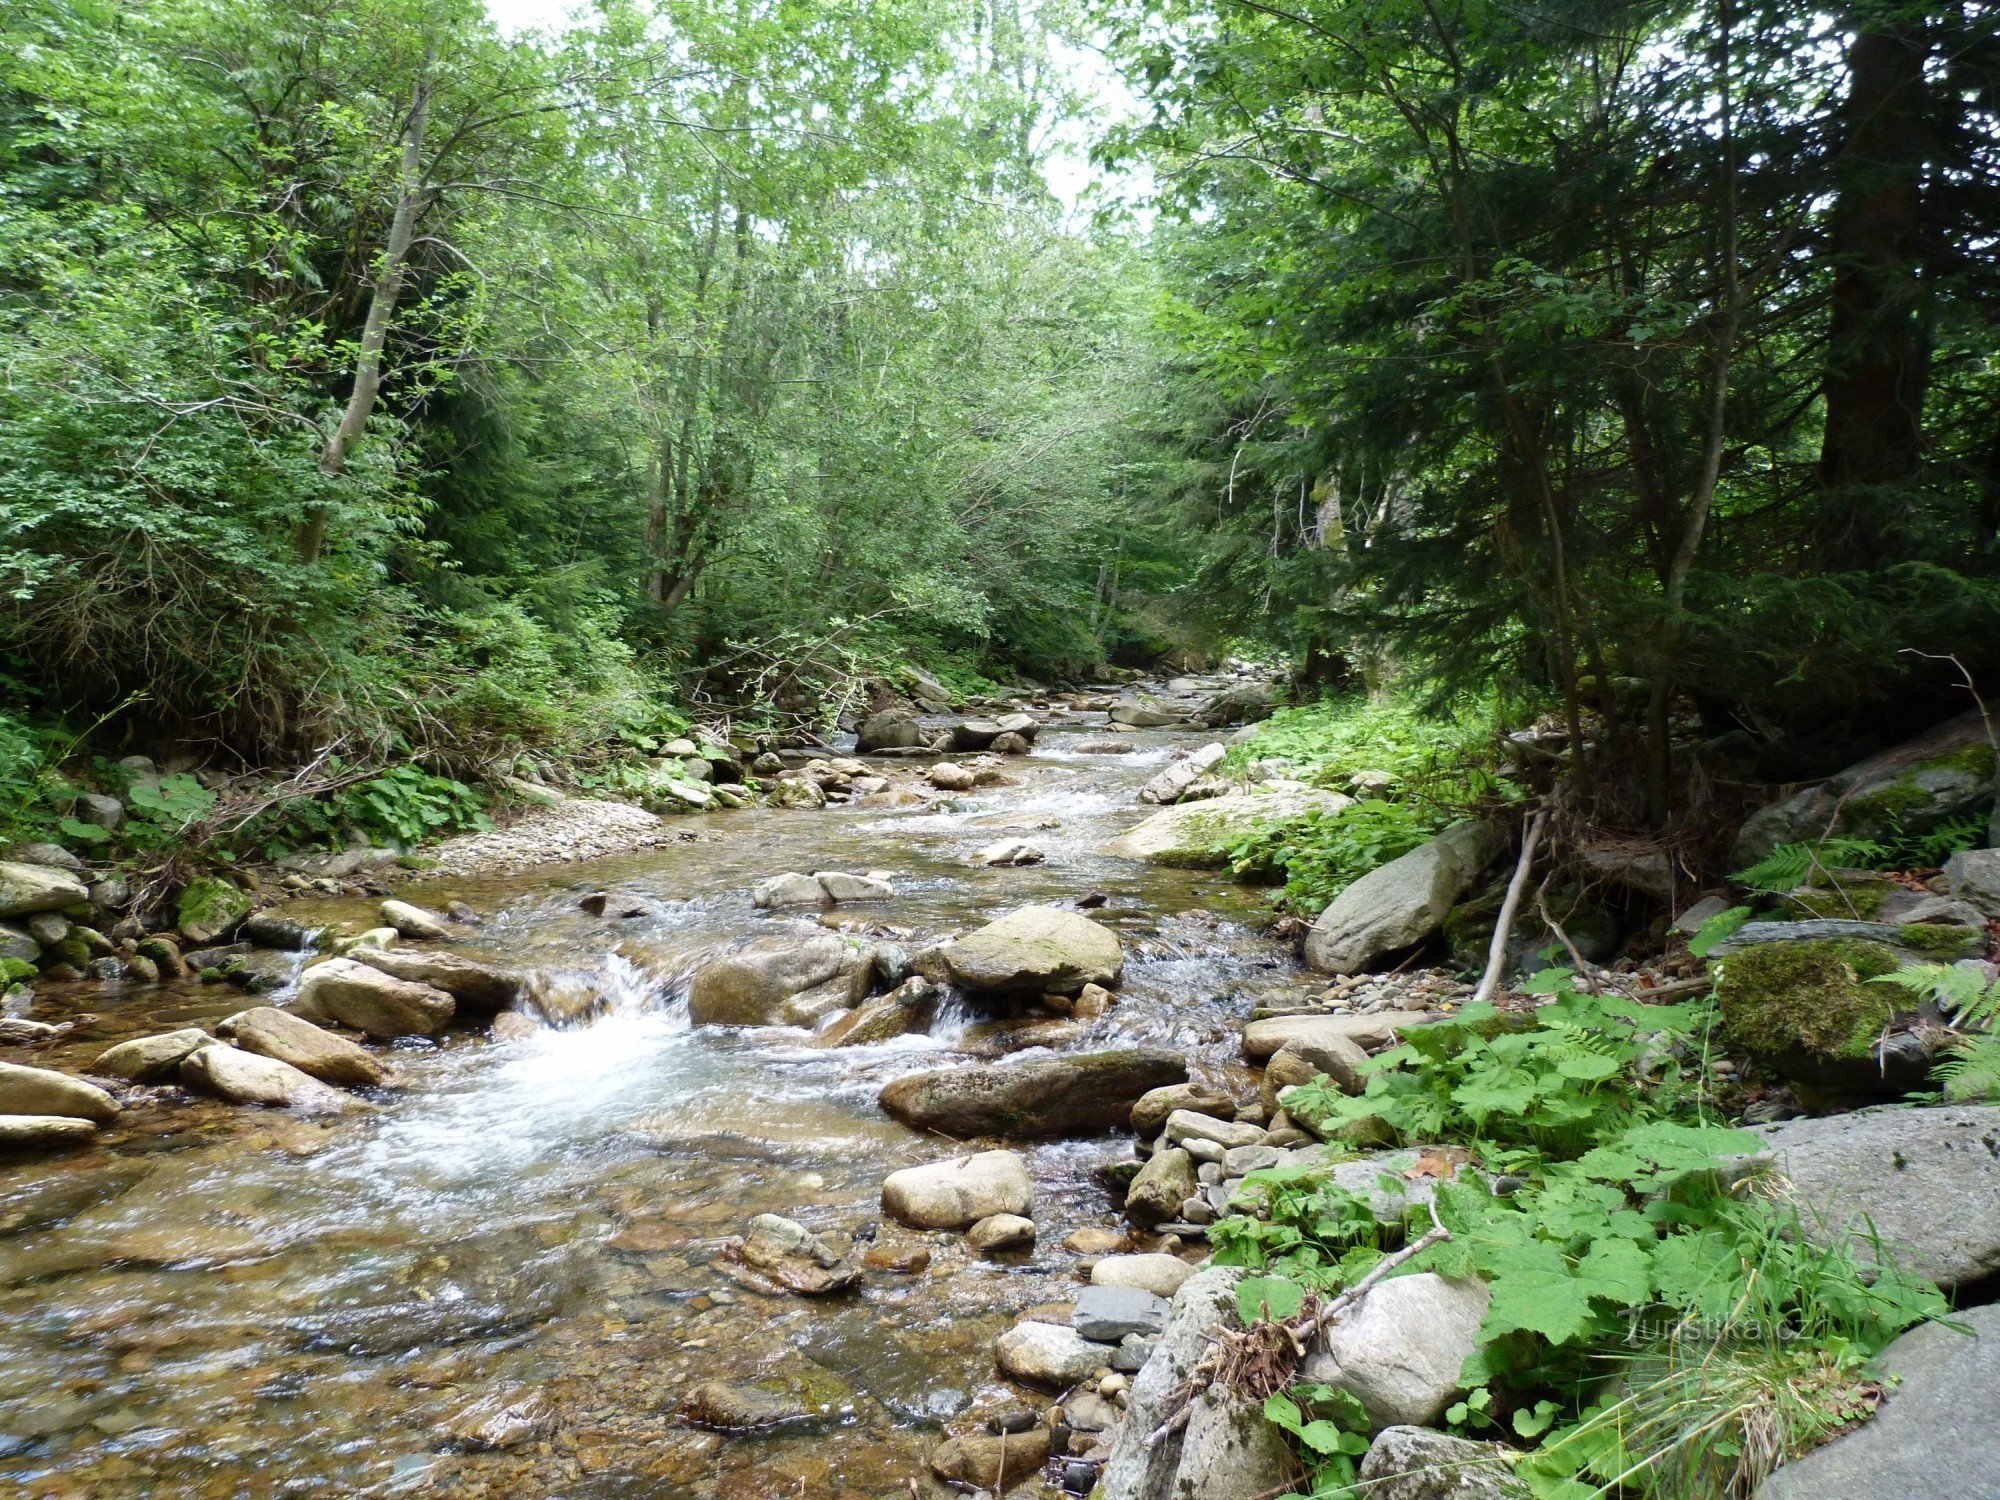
(223, 1302)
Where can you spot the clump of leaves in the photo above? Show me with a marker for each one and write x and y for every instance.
(1319, 854)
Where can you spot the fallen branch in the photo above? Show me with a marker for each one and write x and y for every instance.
(1496, 951)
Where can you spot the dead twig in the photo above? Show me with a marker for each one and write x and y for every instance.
(1496, 951)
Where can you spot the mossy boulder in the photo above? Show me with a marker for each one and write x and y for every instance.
(1809, 1010)
(210, 909)
(1946, 772)
(1197, 835)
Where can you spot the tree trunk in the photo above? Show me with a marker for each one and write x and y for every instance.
(311, 537)
(1878, 356)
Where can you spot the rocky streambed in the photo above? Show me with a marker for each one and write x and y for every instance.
(588, 1246)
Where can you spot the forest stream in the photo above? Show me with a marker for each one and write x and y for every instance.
(244, 1303)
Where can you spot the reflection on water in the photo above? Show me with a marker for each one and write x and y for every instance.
(227, 1303)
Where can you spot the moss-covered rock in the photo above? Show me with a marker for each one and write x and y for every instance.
(1939, 941)
(1858, 894)
(1944, 773)
(1809, 1010)
(210, 908)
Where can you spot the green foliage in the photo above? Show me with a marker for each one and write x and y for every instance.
(1545, 1086)
(1316, 855)
(1718, 929)
(1792, 865)
(407, 805)
(1969, 1069)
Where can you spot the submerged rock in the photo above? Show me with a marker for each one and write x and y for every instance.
(774, 978)
(493, 1423)
(1073, 1094)
(992, 1461)
(776, 1253)
(1036, 949)
(956, 1193)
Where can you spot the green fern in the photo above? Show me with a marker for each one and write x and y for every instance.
(1970, 1071)
(1963, 993)
(1790, 865)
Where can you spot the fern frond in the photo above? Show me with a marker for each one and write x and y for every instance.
(1971, 1071)
(1791, 865)
(1950, 987)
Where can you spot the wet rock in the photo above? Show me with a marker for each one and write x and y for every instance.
(1105, 747)
(493, 1423)
(615, 907)
(893, 729)
(1371, 1033)
(1149, 1114)
(380, 1005)
(267, 929)
(245, 1078)
(733, 1407)
(165, 954)
(1416, 1463)
(1934, 1435)
(152, 1059)
(1163, 1183)
(1400, 1351)
(797, 792)
(1106, 1314)
(950, 776)
(29, 888)
(975, 734)
(786, 1256)
(992, 1462)
(415, 922)
(842, 887)
(956, 1193)
(274, 1033)
(43, 1091)
(514, 1026)
(472, 985)
(1168, 786)
(779, 977)
(1046, 1354)
(210, 908)
(791, 889)
(1196, 835)
(1001, 1232)
(905, 1009)
(1010, 744)
(1080, 1093)
(1144, 714)
(1036, 949)
(43, 1132)
(904, 1257)
(1161, 1274)
(1009, 852)
(1907, 1176)
(1097, 1241)
(1403, 902)
(19, 944)
(18, 1031)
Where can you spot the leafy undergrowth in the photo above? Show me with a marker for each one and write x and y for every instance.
(1413, 774)
(1658, 1325)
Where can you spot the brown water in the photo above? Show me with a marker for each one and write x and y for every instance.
(226, 1302)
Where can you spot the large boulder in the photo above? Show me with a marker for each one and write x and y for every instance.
(1244, 703)
(1810, 1010)
(1036, 949)
(1138, 1468)
(892, 729)
(1403, 902)
(780, 977)
(1166, 1181)
(245, 1078)
(43, 1091)
(1400, 1351)
(1936, 1434)
(1175, 778)
(26, 889)
(1231, 1451)
(1973, 876)
(418, 924)
(1944, 773)
(1925, 1182)
(1196, 835)
(956, 1193)
(472, 985)
(298, 1043)
(380, 1005)
(1073, 1094)
(1144, 713)
(1417, 1463)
